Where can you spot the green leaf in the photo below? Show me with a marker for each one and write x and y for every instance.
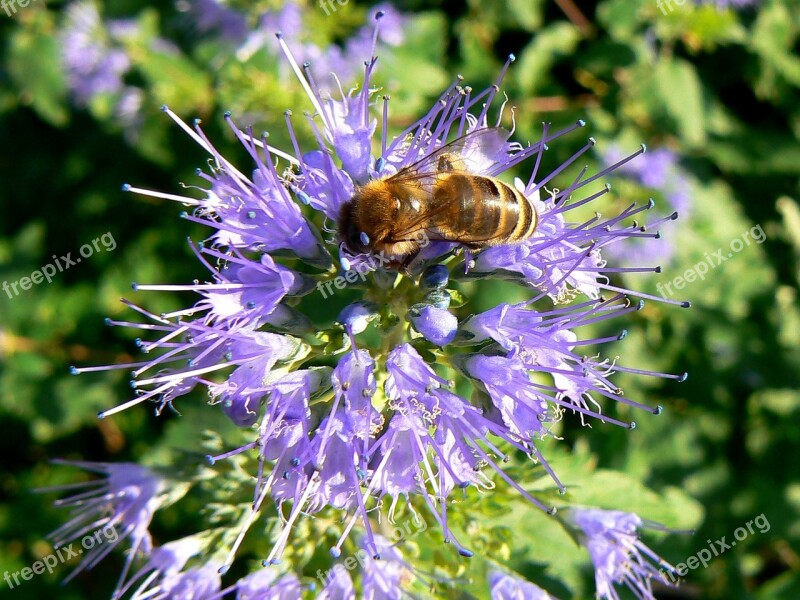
(768, 153)
(34, 62)
(619, 18)
(680, 90)
(538, 57)
(172, 77)
(527, 13)
(774, 36)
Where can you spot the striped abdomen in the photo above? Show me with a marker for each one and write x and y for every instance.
(481, 211)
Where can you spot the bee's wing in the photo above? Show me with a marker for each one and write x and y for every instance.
(411, 231)
(475, 152)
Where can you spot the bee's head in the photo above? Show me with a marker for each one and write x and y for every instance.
(351, 236)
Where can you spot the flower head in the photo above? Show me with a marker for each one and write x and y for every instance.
(365, 403)
(267, 583)
(166, 574)
(93, 64)
(121, 506)
(618, 555)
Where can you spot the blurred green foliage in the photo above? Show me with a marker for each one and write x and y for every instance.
(718, 87)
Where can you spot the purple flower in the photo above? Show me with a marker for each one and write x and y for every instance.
(510, 587)
(266, 584)
(333, 64)
(520, 406)
(165, 575)
(618, 555)
(120, 506)
(659, 170)
(93, 65)
(253, 214)
(437, 325)
(338, 585)
(349, 129)
(354, 409)
(213, 16)
(385, 572)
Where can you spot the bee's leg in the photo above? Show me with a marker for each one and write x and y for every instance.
(409, 263)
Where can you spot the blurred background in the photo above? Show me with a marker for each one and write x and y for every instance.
(712, 88)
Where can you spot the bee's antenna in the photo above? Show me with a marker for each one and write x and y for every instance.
(326, 227)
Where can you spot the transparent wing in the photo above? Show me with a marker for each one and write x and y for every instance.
(475, 152)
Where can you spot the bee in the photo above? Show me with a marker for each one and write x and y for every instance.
(438, 198)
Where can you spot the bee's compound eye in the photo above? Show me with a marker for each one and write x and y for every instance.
(364, 238)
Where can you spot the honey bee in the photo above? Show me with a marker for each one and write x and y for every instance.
(438, 198)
